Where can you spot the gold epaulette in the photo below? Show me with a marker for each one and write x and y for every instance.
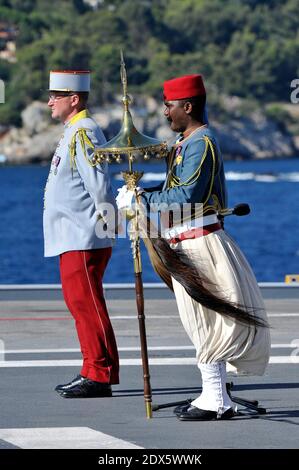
(84, 141)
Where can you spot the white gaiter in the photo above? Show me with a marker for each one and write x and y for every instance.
(214, 396)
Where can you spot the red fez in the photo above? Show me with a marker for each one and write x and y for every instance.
(187, 86)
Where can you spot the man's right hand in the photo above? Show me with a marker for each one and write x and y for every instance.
(124, 199)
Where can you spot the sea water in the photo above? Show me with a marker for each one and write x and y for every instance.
(269, 235)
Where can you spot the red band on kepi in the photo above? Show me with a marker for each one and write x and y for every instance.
(184, 87)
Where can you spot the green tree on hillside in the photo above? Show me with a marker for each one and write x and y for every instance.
(247, 48)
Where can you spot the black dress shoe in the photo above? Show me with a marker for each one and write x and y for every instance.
(196, 414)
(181, 408)
(77, 380)
(88, 389)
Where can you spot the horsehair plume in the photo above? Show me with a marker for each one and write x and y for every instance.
(174, 263)
(157, 263)
(183, 270)
(170, 263)
(146, 229)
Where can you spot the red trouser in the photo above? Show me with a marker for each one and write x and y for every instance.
(81, 276)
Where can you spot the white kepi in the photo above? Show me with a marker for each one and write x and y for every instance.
(69, 80)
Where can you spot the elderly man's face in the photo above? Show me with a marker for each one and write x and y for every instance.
(176, 115)
(62, 105)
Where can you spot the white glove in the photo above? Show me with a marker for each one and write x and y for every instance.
(124, 199)
(122, 190)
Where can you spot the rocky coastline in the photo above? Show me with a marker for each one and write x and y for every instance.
(253, 136)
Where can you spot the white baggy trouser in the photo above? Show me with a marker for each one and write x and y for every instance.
(217, 338)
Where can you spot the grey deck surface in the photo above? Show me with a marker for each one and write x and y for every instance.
(29, 401)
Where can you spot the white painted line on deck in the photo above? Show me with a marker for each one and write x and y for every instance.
(283, 314)
(132, 362)
(77, 350)
(112, 317)
(284, 360)
(128, 348)
(63, 438)
(149, 317)
(41, 351)
(123, 317)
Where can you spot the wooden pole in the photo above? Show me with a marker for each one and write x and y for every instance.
(143, 344)
(131, 178)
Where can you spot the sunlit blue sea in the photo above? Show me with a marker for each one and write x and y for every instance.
(269, 236)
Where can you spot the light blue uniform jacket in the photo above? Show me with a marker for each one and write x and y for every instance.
(76, 193)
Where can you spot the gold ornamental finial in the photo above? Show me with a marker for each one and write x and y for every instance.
(129, 142)
(123, 73)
